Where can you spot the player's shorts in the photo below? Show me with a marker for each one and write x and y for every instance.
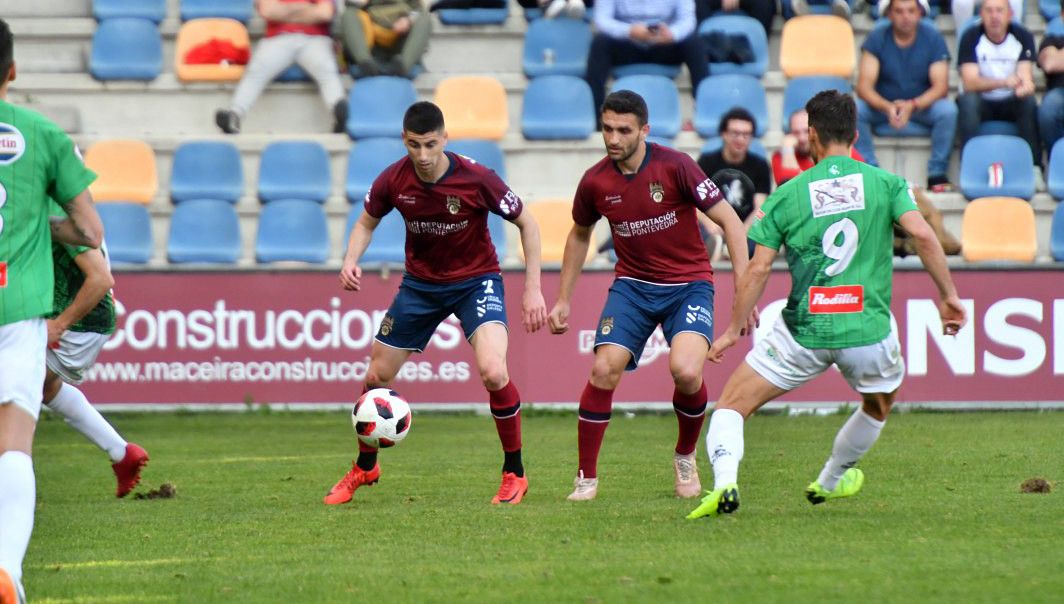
(22, 346)
(787, 364)
(420, 306)
(77, 352)
(635, 308)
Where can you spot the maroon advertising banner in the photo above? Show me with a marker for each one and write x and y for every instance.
(297, 338)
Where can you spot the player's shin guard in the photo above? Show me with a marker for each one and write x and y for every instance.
(595, 408)
(854, 439)
(724, 443)
(690, 414)
(17, 500)
(505, 406)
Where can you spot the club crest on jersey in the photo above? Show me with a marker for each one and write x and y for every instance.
(387, 324)
(837, 195)
(838, 299)
(12, 144)
(453, 204)
(657, 192)
(606, 326)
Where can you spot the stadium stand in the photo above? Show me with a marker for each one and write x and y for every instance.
(663, 102)
(204, 231)
(725, 35)
(128, 232)
(474, 16)
(388, 246)
(376, 106)
(292, 230)
(1013, 155)
(367, 158)
(1055, 171)
(557, 107)
(715, 143)
(481, 151)
(125, 171)
(197, 32)
(152, 10)
(294, 170)
(126, 48)
(719, 93)
(555, 219)
(206, 170)
(999, 228)
(556, 47)
(240, 10)
(473, 107)
(1056, 234)
(799, 90)
(817, 45)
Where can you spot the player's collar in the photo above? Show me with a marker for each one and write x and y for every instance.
(451, 162)
(646, 160)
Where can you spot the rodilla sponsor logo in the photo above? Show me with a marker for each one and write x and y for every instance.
(839, 299)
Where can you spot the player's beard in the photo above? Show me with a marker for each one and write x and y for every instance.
(627, 152)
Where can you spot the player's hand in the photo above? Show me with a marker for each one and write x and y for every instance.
(533, 310)
(55, 331)
(752, 323)
(558, 320)
(351, 276)
(953, 314)
(724, 342)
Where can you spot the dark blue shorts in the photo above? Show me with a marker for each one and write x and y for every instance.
(420, 306)
(635, 308)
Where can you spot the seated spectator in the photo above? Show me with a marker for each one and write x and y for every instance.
(793, 156)
(640, 31)
(384, 37)
(905, 245)
(1051, 112)
(962, 11)
(574, 9)
(737, 128)
(762, 10)
(995, 62)
(903, 76)
(840, 8)
(297, 31)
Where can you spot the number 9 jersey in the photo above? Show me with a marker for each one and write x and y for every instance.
(836, 221)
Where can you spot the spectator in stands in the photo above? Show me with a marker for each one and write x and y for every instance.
(644, 31)
(297, 31)
(793, 157)
(962, 11)
(840, 8)
(396, 31)
(903, 76)
(762, 10)
(995, 62)
(574, 9)
(737, 128)
(1051, 112)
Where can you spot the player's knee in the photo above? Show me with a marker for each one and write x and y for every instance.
(878, 407)
(494, 375)
(52, 384)
(687, 379)
(604, 375)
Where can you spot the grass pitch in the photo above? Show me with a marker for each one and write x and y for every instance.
(941, 516)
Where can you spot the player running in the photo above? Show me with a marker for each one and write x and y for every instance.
(836, 220)
(451, 267)
(650, 195)
(38, 164)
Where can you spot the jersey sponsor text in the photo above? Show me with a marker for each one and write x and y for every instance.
(838, 299)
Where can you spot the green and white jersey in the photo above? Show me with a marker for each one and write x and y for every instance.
(69, 279)
(38, 163)
(836, 220)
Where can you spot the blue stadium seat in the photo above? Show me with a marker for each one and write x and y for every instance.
(207, 170)
(1055, 27)
(204, 230)
(1055, 171)
(126, 49)
(1050, 10)
(557, 107)
(663, 101)
(481, 151)
(715, 143)
(128, 228)
(556, 47)
(376, 106)
(240, 10)
(1056, 234)
(292, 229)
(294, 170)
(1012, 152)
(799, 90)
(388, 245)
(738, 24)
(152, 10)
(998, 127)
(658, 69)
(718, 94)
(293, 73)
(497, 230)
(367, 159)
(474, 16)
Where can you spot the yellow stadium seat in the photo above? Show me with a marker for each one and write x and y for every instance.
(817, 45)
(999, 228)
(473, 107)
(125, 170)
(555, 220)
(198, 31)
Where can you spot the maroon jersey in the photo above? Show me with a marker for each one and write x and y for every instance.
(447, 236)
(651, 214)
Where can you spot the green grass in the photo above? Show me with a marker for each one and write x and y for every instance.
(940, 517)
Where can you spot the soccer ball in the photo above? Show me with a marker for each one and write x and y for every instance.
(381, 418)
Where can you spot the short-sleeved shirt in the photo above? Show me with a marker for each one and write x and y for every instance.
(740, 197)
(38, 164)
(996, 61)
(1053, 80)
(836, 220)
(651, 214)
(68, 280)
(276, 28)
(903, 72)
(447, 238)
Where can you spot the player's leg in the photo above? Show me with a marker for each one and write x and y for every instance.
(596, 407)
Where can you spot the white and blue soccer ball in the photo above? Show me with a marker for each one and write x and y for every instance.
(381, 418)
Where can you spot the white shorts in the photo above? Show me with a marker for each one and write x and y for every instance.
(787, 364)
(22, 347)
(76, 353)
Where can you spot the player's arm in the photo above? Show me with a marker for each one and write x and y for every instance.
(533, 307)
(576, 245)
(750, 284)
(735, 238)
(759, 200)
(98, 281)
(930, 251)
(81, 226)
(361, 235)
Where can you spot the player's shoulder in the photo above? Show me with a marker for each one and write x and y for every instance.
(21, 118)
(663, 154)
(596, 171)
(469, 168)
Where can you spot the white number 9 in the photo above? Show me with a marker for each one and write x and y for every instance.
(3, 200)
(842, 253)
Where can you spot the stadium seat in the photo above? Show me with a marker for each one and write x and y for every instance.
(292, 230)
(1055, 27)
(718, 94)
(817, 45)
(487, 153)
(126, 48)
(799, 90)
(1055, 171)
(999, 228)
(367, 159)
(240, 10)
(293, 73)
(732, 25)
(294, 170)
(497, 230)
(473, 107)
(1014, 155)
(125, 171)
(556, 47)
(1056, 234)
(663, 101)
(658, 69)
(1049, 9)
(555, 220)
(199, 31)
(715, 143)
(204, 230)
(388, 246)
(557, 107)
(206, 170)
(152, 10)
(998, 127)
(128, 232)
(474, 16)
(376, 106)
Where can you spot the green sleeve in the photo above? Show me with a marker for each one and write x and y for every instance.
(766, 230)
(902, 199)
(71, 175)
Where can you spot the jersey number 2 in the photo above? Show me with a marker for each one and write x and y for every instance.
(842, 253)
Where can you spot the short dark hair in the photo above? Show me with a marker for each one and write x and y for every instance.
(626, 101)
(738, 113)
(834, 115)
(7, 49)
(423, 117)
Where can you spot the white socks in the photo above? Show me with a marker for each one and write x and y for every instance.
(855, 438)
(724, 443)
(17, 497)
(83, 417)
